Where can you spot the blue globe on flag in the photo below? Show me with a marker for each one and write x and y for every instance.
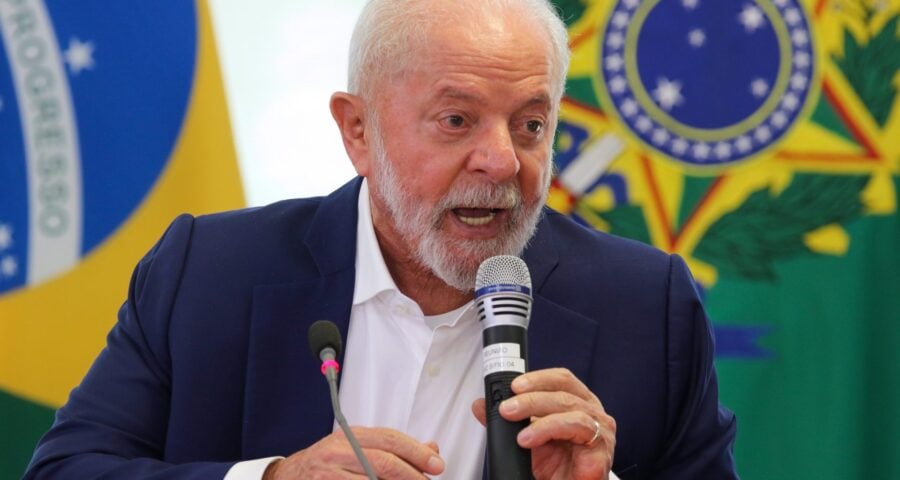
(92, 97)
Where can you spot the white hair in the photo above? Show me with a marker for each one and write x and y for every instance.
(388, 30)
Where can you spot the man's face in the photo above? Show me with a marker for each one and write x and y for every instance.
(462, 148)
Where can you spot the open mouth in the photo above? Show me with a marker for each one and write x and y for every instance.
(476, 217)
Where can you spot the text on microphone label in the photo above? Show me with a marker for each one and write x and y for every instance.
(503, 357)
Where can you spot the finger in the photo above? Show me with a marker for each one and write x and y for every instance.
(410, 450)
(552, 380)
(434, 446)
(540, 404)
(480, 411)
(388, 465)
(573, 427)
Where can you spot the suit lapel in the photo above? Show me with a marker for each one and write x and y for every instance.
(557, 336)
(287, 405)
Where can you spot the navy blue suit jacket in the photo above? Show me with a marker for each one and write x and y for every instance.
(208, 363)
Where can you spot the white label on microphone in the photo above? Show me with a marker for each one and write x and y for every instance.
(503, 357)
(501, 350)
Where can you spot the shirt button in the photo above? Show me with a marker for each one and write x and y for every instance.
(433, 370)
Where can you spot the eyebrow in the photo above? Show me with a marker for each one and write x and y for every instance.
(455, 93)
(539, 99)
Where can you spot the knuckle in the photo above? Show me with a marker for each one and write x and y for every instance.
(610, 423)
(330, 455)
(568, 402)
(382, 463)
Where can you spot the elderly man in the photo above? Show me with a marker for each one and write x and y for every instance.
(449, 123)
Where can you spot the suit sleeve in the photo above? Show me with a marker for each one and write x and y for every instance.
(700, 431)
(115, 422)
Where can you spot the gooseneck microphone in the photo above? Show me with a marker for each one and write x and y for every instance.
(503, 299)
(325, 344)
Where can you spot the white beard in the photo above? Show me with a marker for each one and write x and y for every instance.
(454, 260)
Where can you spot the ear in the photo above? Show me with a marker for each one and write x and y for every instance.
(348, 112)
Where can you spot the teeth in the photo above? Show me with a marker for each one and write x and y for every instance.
(477, 221)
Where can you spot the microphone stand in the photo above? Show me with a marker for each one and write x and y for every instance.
(329, 369)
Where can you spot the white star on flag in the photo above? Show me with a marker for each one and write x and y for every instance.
(618, 84)
(643, 124)
(1, 104)
(799, 38)
(701, 151)
(690, 4)
(759, 87)
(668, 93)
(790, 101)
(792, 16)
(629, 108)
(79, 55)
(751, 18)
(631, 4)
(696, 38)
(660, 136)
(722, 150)
(614, 62)
(779, 119)
(801, 59)
(9, 266)
(620, 19)
(743, 144)
(762, 134)
(679, 146)
(615, 40)
(5, 236)
(799, 81)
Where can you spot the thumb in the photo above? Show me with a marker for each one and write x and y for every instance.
(478, 409)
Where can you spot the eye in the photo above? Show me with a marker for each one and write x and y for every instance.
(453, 121)
(534, 126)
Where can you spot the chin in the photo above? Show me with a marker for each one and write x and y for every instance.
(456, 261)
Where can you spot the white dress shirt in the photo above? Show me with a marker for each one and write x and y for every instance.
(414, 373)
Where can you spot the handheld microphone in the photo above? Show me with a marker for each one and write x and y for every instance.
(325, 344)
(503, 299)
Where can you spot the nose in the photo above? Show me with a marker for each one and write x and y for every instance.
(495, 154)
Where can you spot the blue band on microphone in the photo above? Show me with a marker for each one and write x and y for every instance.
(502, 288)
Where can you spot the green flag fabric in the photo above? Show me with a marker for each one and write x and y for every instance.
(760, 140)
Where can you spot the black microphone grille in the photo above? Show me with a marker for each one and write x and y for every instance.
(324, 334)
(503, 269)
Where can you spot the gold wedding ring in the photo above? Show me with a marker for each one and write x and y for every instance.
(593, 439)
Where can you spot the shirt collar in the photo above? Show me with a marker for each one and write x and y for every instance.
(372, 275)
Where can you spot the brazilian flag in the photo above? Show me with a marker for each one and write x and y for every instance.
(112, 122)
(759, 140)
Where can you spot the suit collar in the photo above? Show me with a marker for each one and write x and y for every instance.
(541, 255)
(337, 213)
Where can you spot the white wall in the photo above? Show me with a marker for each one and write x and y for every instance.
(281, 60)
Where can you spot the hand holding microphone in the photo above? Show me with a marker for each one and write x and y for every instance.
(550, 414)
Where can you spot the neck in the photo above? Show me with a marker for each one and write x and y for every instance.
(415, 280)
(432, 295)
(420, 284)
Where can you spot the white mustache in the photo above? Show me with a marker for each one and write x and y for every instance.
(506, 196)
